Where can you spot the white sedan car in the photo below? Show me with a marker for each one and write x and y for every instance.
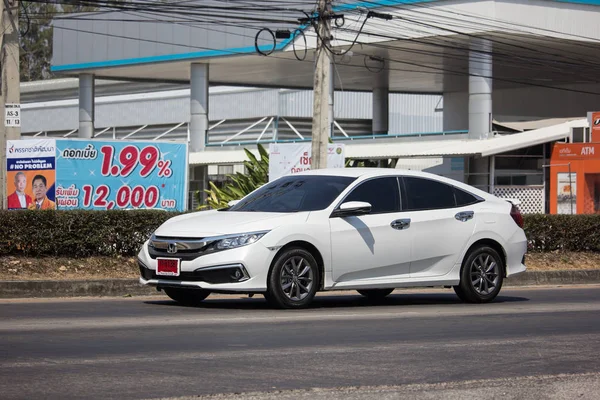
(370, 230)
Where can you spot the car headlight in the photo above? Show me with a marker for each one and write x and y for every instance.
(231, 242)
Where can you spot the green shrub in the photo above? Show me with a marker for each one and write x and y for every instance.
(563, 232)
(77, 233)
(121, 233)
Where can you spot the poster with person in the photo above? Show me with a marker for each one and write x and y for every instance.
(68, 174)
(31, 174)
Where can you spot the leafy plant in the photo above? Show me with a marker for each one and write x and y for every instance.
(242, 184)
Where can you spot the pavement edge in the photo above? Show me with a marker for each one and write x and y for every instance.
(132, 287)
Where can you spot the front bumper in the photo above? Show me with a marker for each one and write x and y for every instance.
(244, 269)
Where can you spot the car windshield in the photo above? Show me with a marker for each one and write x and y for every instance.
(295, 193)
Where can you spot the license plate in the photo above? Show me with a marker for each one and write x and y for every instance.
(168, 266)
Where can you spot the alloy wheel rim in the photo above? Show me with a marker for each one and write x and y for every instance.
(485, 274)
(296, 278)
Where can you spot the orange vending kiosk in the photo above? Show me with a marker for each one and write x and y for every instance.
(575, 178)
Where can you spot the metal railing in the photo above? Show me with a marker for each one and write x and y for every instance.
(398, 135)
(271, 123)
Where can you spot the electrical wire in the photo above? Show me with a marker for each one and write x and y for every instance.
(477, 24)
(244, 12)
(28, 20)
(258, 50)
(294, 44)
(531, 59)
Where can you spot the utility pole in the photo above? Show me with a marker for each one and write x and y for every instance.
(320, 124)
(10, 83)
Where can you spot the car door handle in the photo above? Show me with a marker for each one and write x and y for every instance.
(464, 216)
(401, 224)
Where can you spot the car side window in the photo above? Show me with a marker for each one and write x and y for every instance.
(381, 193)
(427, 194)
(463, 198)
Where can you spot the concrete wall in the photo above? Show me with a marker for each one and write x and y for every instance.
(527, 103)
(540, 103)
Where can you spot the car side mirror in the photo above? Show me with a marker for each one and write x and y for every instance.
(233, 203)
(352, 208)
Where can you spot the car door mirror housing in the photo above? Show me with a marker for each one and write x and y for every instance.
(352, 208)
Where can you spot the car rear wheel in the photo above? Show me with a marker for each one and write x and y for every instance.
(294, 279)
(375, 294)
(187, 297)
(481, 276)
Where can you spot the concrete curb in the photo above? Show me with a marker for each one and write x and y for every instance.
(132, 287)
(564, 277)
(104, 287)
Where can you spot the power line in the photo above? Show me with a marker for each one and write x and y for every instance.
(433, 70)
(428, 69)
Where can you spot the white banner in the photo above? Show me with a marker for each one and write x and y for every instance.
(291, 158)
(29, 148)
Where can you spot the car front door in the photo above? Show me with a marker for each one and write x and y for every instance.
(374, 246)
(442, 221)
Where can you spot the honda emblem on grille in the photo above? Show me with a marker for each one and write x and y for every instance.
(172, 248)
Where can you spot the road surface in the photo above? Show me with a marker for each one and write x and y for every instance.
(530, 340)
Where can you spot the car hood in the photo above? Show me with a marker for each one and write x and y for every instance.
(214, 223)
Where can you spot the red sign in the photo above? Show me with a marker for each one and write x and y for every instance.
(578, 151)
(595, 127)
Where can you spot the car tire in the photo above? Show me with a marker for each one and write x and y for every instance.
(375, 294)
(481, 276)
(293, 280)
(187, 297)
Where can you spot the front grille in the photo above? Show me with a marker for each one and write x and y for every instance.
(186, 249)
(185, 255)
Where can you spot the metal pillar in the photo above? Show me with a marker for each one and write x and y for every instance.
(480, 89)
(455, 114)
(381, 110)
(492, 173)
(198, 106)
(86, 106)
(480, 108)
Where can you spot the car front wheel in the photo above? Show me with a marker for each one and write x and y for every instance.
(187, 297)
(481, 276)
(294, 279)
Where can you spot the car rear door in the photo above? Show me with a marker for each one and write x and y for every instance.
(440, 228)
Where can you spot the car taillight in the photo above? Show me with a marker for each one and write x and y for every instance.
(516, 215)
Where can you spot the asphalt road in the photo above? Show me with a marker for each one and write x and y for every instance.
(129, 348)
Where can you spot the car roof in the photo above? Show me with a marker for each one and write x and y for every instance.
(363, 172)
(374, 172)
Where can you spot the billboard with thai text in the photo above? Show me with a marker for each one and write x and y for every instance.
(101, 175)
